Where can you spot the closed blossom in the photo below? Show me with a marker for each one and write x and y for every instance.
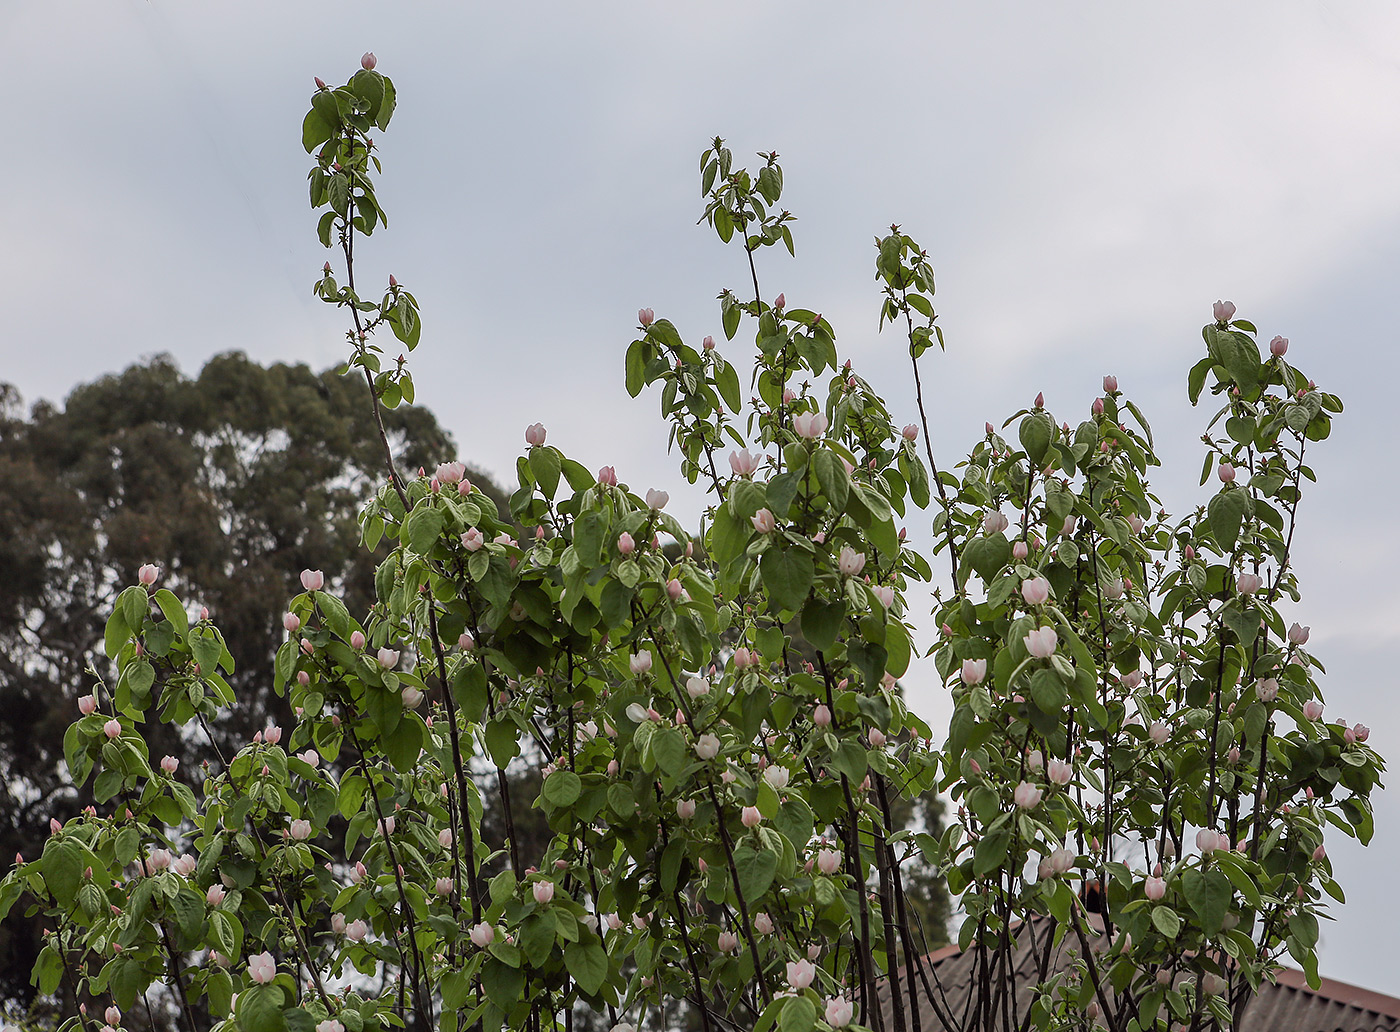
(388, 658)
(974, 671)
(625, 544)
(1312, 709)
(850, 562)
(707, 747)
(1154, 888)
(656, 500)
(1035, 590)
(535, 434)
(800, 973)
(639, 662)
(1027, 795)
(262, 968)
(483, 934)
(1298, 634)
(1059, 772)
(763, 521)
(1041, 642)
(839, 1012)
(313, 580)
(750, 817)
(300, 830)
(809, 425)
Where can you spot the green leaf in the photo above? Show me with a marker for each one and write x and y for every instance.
(423, 527)
(727, 380)
(1167, 921)
(1226, 513)
(1036, 431)
(545, 464)
(637, 355)
(587, 964)
(561, 788)
(668, 746)
(63, 870)
(787, 574)
(174, 612)
(260, 1008)
(1209, 894)
(799, 1015)
(756, 869)
(821, 621)
(502, 741)
(831, 474)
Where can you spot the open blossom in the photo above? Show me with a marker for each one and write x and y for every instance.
(262, 968)
(329, 1025)
(657, 499)
(994, 523)
(850, 562)
(839, 1012)
(1059, 772)
(451, 472)
(1131, 679)
(272, 735)
(169, 764)
(607, 476)
(1361, 731)
(387, 658)
(763, 924)
(445, 838)
(483, 934)
(1208, 841)
(356, 930)
(750, 817)
(885, 594)
(777, 777)
(763, 521)
(1298, 634)
(313, 580)
(877, 738)
(828, 860)
(974, 671)
(1027, 795)
(386, 826)
(300, 830)
(310, 757)
(1041, 642)
(473, 540)
(707, 747)
(1267, 689)
(1035, 590)
(1061, 860)
(535, 434)
(809, 425)
(640, 662)
(800, 973)
(695, 687)
(412, 697)
(1159, 733)
(1248, 583)
(743, 464)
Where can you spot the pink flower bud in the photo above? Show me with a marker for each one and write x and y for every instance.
(112, 729)
(303, 678)
(147, 574)
(87, 704)
(877, 738)
(911, 432)
(646, 316)
(1154, 888)
(727, 942)
(367, 61)
(1361, 731)
(535, 434)
(763, 521)
(625, 544)
(800, 973)
(412, 697)
(821, 715)
(300, 830)
(1097, 407)
(291, 622)
(809, 425)
(1035, 590)
(708, 343)
(750, 817)
(607, 477)
(1248, 583)
(1278, 347)
(1041, 642)
(113, 1016)
(1226, 473)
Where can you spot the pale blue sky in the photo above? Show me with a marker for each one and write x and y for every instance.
(1087, 178)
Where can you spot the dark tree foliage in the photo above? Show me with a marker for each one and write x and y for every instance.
(232, 482)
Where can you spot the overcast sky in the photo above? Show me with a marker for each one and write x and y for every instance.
(1087, 179)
